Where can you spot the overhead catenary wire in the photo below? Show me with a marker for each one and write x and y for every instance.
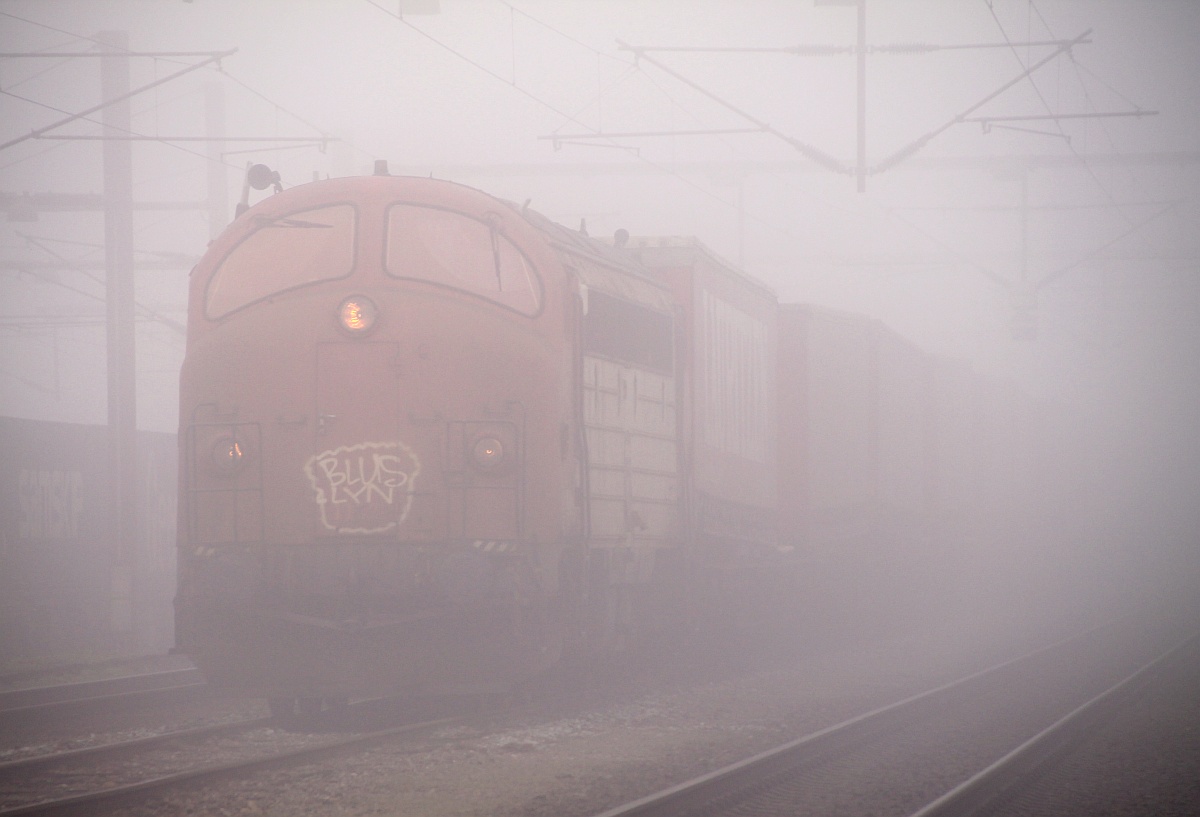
(1087, 165)
(559, 31)
(579, 139)
(166, 56)
(49, 27)
(555, 109)
(119, 98)
(128, 131)
(921, 141)
(147, 311)
(816, 154)
(602, 91)
(524, 15)
(1042, 97)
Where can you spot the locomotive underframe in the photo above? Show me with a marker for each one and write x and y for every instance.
(366, 618)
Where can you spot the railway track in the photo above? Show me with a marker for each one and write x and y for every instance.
(83, 781)
(42, 702)
(1039, 751)
(885, 754)
(887, 750)
(34, 764)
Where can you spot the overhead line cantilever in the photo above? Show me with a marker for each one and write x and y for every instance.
(37, 133)
(808, 150)
(921, 141)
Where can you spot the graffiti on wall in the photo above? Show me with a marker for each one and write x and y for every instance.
(364, 488)
(51, 503)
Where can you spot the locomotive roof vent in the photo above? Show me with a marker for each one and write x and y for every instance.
(381, 168)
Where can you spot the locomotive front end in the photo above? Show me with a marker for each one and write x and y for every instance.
(376, 469)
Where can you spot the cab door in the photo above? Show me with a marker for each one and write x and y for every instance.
(362, 475)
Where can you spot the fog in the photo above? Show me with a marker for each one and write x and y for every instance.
(1088, 223)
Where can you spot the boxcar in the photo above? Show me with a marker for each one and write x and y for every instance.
(68, 592)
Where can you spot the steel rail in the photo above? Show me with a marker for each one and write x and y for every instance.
(19, 700)
(767, 764)
(87, 803)
(37, 762)
(1006, 772)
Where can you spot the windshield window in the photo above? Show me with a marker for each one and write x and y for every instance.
(458, 251)
(284, 252)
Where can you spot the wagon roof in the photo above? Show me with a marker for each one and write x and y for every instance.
(600, 265)
(685, 250)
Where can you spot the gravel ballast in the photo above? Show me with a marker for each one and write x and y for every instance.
(601, 754)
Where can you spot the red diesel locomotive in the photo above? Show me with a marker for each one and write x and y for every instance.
(431, 440)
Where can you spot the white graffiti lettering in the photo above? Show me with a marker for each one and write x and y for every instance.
(51, 504)
(352, 479)
(364, 488)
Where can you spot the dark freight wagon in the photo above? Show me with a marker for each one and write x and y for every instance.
(858, 447)
(68, 592)
(855, 440)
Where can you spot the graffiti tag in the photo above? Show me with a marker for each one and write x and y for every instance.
(51, 504)
(364, 488)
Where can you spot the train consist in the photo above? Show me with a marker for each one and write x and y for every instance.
(431, 440)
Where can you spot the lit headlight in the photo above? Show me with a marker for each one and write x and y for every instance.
(228, 455)
(357, 314)
(488, 453)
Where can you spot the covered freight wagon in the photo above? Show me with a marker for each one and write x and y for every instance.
(857, 467)
(67, 591)
(855, 429)
(729, 338)
(727, 343)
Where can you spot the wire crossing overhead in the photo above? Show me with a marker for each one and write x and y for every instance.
(214, 57)
(816, 154)
(989, 122)
(810, 50)
(860, 168)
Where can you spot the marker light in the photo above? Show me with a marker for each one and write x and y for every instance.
(357, 314)
(488, 453)
(228, 455)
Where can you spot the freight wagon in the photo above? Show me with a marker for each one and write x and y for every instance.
(67, 591)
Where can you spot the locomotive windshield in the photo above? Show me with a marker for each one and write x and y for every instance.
(281, 253)
(455, 250)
